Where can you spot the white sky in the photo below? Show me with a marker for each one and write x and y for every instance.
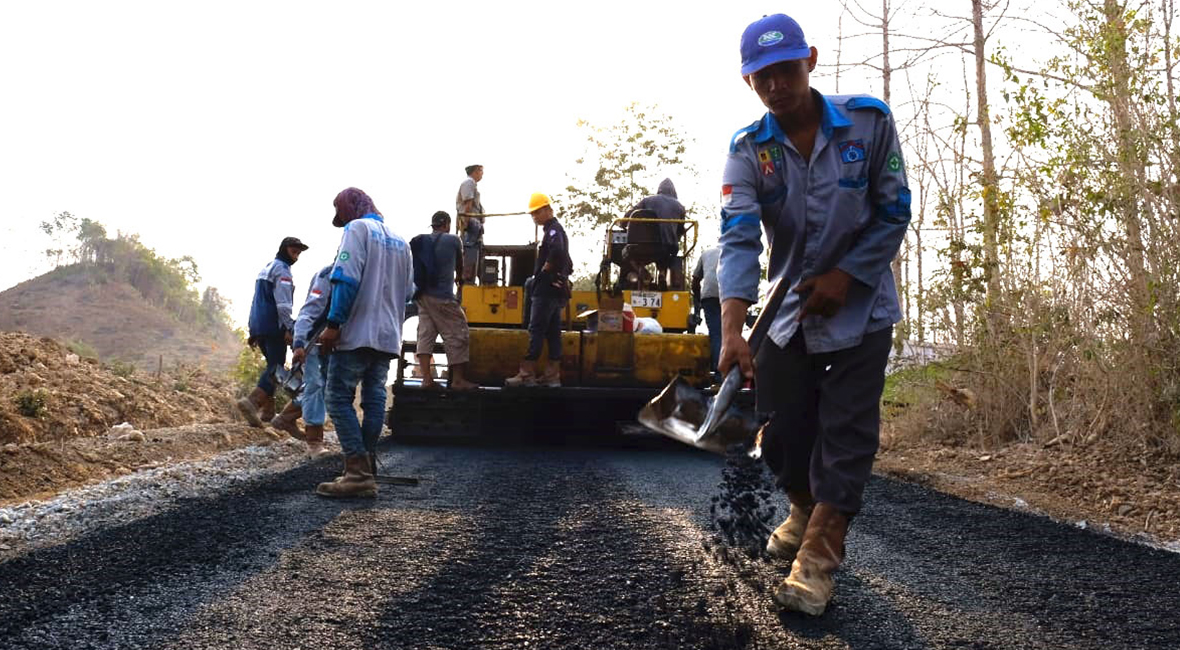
(213, 129)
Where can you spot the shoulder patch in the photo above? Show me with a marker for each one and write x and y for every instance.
(865, 101)
(744, 131)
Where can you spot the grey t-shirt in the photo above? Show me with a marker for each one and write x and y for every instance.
(468, 190)
(447, 250)
(707, 271)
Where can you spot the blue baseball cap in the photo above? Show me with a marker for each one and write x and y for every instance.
(770, 40)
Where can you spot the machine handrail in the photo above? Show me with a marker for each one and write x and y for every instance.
(621, 220)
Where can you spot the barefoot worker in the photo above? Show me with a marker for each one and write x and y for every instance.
(438, 262)
(824, 177)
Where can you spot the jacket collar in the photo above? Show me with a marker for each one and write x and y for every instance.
(830, 119)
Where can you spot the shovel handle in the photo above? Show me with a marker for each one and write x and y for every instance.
(766, 316)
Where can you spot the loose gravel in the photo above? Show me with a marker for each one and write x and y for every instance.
(37, 524)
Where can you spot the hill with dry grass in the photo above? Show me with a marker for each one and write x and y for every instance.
(102, 316)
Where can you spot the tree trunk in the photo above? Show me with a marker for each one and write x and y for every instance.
(988, 180)
(1119, 97)
(887, 95)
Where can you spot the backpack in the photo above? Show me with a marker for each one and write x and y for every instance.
(425, 271)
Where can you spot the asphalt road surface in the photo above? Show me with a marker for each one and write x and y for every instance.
(572, 548)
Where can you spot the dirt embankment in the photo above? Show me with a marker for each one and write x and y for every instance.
(1126, 486)
(47, 394)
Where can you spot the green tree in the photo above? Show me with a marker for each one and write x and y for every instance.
(623, 163)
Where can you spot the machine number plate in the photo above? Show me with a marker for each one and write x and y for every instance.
(618, 237)
(648, 299)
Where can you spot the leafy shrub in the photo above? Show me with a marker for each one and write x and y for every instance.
(122, 369)
(82, 349)
(31, 403)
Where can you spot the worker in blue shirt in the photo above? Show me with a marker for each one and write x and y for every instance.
(372, 279)
(270, 327)
(823, 178)
(313, 316)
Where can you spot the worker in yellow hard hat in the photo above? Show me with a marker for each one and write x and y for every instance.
(550, 294)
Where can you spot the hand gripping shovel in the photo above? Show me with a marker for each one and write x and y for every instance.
(711, 423)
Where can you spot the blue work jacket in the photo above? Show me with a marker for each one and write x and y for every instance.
(270, 311)
(847, 207)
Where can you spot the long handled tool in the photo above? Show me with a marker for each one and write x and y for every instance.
(689, 416)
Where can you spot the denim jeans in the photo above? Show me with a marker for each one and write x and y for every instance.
(315, 374)
(712, 309)
(545, 325)
(274, 350)
(366, 367)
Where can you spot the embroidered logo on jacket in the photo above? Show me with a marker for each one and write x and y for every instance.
(852, 151)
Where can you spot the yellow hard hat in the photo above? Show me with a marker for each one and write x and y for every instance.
(538, 200)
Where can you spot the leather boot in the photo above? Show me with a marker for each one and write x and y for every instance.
(784, 542)
(285, 421)
(809, 587)
(551, 378)
(250, 404)
(526, 377)
(357, 481)
(266, 410)
(315, 440)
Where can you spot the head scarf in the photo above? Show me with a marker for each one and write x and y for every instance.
(352, 204)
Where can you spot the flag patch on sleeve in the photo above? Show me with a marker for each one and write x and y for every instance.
(726, 194)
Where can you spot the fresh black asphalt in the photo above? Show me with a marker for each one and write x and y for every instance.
(562, 547)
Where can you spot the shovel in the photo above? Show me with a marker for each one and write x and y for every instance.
(711, 423)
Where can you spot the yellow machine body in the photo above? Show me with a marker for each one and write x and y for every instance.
(599, 359)
(492, 306)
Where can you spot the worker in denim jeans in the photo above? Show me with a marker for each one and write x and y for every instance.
(372, 279)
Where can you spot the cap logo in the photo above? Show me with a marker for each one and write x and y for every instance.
(770, 38)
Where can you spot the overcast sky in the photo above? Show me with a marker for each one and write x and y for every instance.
(214, 129)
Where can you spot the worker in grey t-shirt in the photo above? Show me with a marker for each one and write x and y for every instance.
(707, 295)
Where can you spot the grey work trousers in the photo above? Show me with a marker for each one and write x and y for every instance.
(825, 430)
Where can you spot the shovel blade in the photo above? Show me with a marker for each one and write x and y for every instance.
(681, 412)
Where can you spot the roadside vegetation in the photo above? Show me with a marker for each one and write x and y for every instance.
(1044, 248)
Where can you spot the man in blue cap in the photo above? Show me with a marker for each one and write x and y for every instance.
(823, 177)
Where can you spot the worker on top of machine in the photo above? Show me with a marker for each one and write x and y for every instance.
(664, 204)
(549, 297)
(270, 327)
(438, 262)
(372, 279)
(469, 227)
(312, 318)
(824, 177)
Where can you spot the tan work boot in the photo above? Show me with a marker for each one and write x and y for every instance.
(809, 587)
(552, 375)
(285, 421)
(314, 437)
(357, 481)
(266, 410)
(526, 377)
(249, 406)
(784, 542)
